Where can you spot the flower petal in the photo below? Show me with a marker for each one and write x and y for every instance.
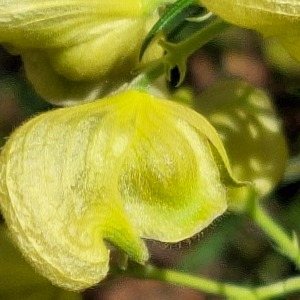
(58, 197)
(269, 17)
(60, 23)
(57, 89)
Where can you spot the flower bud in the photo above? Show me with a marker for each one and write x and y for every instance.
(277, 18)
(131, 166)
(85, 47)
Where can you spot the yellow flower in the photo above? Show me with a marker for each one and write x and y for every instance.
(111, 172)
(75, 50)
(277, 18)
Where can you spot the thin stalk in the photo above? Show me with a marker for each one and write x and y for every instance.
(279, 289)
(285, 243)
(148, 76)
(226, 290)
(190, 45)
(189, 281)
(183, 50)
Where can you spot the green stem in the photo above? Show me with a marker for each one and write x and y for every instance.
(279, 289)
(227, 290)
(147, 77)
(287, 244)
(181, 52)
(187, 47)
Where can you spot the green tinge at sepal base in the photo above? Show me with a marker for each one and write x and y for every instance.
(131, 166)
